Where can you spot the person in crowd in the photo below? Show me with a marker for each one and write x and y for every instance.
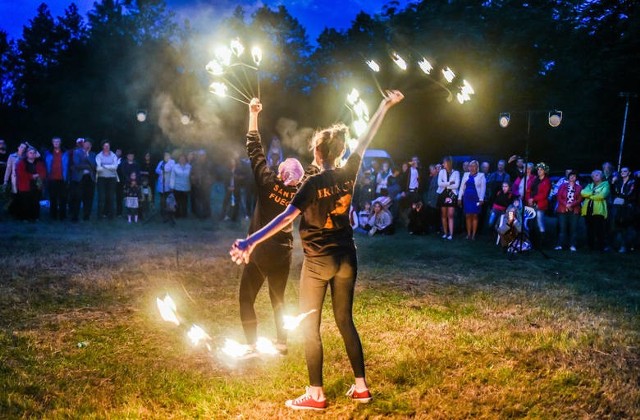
(524, 183)
(120, 183)
(57, 164)
(146, 200)
(556, 187)
(275, 152)
(569, 198)
(180, 184)
(11, 180)
(510, 228)
(30, 177)
(485, 169)
(413, 183)
(231, 201)
(472, 189)
(502, 200)
(163, 173)
(132, 197)
(623, 209)
(129, 165)
(4, 156)
(394, 190)
(380, 221)
(82, 188)
(271, 261)
(430, 205)
(330, 255)
(495, 182)
(515, 169)
(364, 214)
(147, 170)
(382, 179)
(448, 185)
(594, 210)
(365, 189)
(465, 166)
(107, 180)
(418, 219)
(201, 183)
(538, 197)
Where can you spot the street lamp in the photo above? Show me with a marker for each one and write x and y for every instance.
(141, 115)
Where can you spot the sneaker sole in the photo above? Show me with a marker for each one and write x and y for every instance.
(301, 407)
(362, 400)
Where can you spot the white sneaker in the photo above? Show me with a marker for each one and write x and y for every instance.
(573, 248)
(622, 250)
(558, 248)
(444, 236)
(450, 237)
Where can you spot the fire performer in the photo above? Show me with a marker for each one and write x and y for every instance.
(330, 253)
(272, 260)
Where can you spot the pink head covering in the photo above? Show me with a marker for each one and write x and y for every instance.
(290, 171)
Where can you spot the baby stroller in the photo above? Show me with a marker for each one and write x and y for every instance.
(512, 236)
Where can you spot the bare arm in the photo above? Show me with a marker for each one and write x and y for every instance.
(392, 97)
(242, 248)
(254, 109)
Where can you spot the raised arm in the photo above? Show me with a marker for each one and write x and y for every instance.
(242, 248)
(254, 109)
(391, 98)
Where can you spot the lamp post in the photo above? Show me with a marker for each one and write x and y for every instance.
(627, 96)
(504, 119)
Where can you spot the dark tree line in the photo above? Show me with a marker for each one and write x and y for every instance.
(72, 76)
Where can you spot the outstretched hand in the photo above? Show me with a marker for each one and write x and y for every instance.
(240, 251)
(255, 106)
(392, 97)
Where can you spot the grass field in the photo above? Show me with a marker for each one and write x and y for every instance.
(450, 330)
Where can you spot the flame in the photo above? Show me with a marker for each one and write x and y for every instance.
(167, 308)
(399, 60)
(292, 322)
(373, 66)
(448, 74)
(196, 334)
(256, 54)
(234, 349)
(359, 127)
(465, 92)
(215, 68)
(218, 88)
(223, 54)
(425, 66)
(353, 96)
(265, 346)
(236, 47)
(466, 88)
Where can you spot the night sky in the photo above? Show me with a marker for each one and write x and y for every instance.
(314, 15)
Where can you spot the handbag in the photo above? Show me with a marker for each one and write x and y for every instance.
(447, 197)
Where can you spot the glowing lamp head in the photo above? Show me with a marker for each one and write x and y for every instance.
(399, 61)
(373, 66)
(256, 54)
(167, 308)
(504, 119)
(215, 68)
(185, 119)
(236, 47)
(218, 88)
(448, 74)
(555, 118)
(353, 96)
(197, 335)
(141, 115)
(425, 66)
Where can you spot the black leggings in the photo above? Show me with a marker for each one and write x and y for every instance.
(270, 262)
(338, 271)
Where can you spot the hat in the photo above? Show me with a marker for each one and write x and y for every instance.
(544, 167)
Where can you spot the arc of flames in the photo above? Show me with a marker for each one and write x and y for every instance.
(167, 308)
(292, 322)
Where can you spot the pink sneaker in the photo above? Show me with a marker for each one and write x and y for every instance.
(306, 402)
(361, 397)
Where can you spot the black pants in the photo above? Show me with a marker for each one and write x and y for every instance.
(339, 272)
(107, 188)
(29, 205)
(119, 190)
(181, 202)
(595, 232)
(58, 199)
(270, 262)
(81, 193)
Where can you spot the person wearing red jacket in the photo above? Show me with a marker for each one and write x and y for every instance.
(539, 196)
(30, 174)
(568, 211)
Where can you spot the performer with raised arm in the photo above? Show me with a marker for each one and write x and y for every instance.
(271, 260)
(330, 253)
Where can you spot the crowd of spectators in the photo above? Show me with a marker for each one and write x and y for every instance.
(442, 199)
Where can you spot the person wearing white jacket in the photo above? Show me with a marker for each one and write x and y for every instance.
(106, 178)
(448, 185)
(180, 183)
(472, 190)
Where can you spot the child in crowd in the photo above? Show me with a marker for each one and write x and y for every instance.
(363, 217)
(417, 219)
(146, 203)
(503, 199)
(380, 222)
(132, 198)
